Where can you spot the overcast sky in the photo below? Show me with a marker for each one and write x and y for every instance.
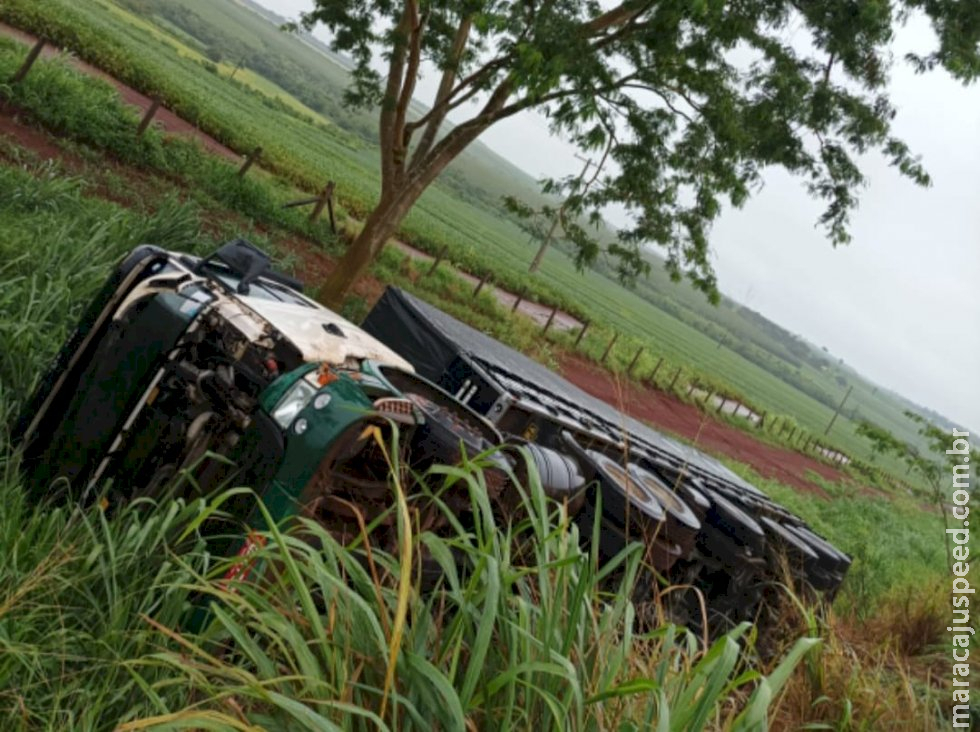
(900, 303)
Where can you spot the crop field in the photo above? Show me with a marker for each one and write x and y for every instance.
(93, 600)
(718, 345)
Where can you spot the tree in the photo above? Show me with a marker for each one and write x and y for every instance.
(694, 97)
(935, 467)
(559, 217)
(882, 441)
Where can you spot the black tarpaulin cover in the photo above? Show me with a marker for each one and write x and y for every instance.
(431, 339)
(414, 330)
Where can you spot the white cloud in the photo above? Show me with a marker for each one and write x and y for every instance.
(899, 303)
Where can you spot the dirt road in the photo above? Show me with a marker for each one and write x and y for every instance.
(164, 118)
(652, 406)
(172, 124)
(673, 415)
(536, 311)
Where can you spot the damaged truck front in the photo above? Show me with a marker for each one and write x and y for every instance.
(186, 375)
(211, 372)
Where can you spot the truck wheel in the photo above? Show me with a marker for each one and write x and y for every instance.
(682, 525)
(560, 476)
(734, 522)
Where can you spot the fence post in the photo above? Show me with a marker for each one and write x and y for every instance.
(551, 319)
(148, 117)
(481, 283)
(519, 299)
(322, 201)
(333, 221)
(762, 420)
(721, 404)
(674, 380)
(581, 333)
(789, 438)
(690, 389)
(249, 161)
(629, 371)
(609, 347)
(438, 260)
(32, 55)
(653, 374)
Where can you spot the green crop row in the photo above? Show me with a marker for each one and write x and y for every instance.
(472, 236)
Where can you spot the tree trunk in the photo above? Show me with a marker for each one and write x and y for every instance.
(400, 189)
(380, 225)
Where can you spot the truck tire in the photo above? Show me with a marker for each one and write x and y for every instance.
(735, 523)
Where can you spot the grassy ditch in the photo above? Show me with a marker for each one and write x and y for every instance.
(93, 602)
(735, 354)
(531, 635)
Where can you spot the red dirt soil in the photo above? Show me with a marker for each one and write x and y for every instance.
(164, 118)
(646, 404)
(316, 265)
(673, 415)
(27, 137)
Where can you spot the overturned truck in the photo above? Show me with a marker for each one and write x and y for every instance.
(205, 372)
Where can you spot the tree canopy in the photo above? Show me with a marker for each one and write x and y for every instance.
(686, 101)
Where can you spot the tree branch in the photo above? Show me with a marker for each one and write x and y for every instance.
(687, 98)
(389, 104)
(462, 135)
(471, 80)
(440, 108)
(827, 69)
(619, 15)
(602, 161)
(666, 100)
(400, 134)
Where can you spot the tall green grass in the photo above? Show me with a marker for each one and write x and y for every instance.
(94, 611)
(719, 344)
(95, 603)
(76, 590)
(526, 631)
(523, 634)
(56, 247)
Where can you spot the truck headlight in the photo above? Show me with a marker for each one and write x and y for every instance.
(293, 402)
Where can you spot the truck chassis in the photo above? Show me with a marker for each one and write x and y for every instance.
(192, 374)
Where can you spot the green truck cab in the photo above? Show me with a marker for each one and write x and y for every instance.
(188, 375)
(218, 372)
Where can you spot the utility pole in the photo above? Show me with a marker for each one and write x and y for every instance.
(241, 62)
(558, 215)
(839, 407)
